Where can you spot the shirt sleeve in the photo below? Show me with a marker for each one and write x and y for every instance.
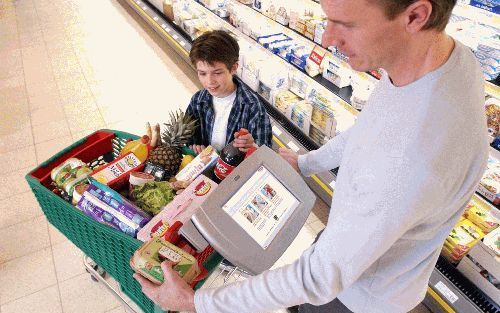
(326, 158)
(260, 126)
(192, 110)
(362, 231)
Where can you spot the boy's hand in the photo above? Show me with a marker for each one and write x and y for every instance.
(243, 142)
(291, 157)
(197, 148)
(174, 294)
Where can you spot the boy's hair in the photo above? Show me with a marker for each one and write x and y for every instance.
(441, 11)
(215, 46)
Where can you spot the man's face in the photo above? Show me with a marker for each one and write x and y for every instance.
(360, 30)
(216, 78)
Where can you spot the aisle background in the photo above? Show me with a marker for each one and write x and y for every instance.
(68, 68)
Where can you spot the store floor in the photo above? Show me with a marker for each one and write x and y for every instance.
(68, 68)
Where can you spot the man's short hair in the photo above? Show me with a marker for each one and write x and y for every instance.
(215, 46)
(441, 11)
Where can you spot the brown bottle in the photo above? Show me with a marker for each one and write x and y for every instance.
(229, 158)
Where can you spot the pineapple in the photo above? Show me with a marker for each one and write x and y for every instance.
(176, 134)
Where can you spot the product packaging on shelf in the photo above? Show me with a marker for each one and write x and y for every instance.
(273, 76)
(168, 9)
(284, 101)
(299, 84)
(301, 115)
(323, 115)
(319, 31)
(362, 87)
(461, 239)
(482, 214)
(489, 186)
(337, 71)
(180, 209)
(314, 61)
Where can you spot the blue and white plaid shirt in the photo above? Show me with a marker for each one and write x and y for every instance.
(247, 112)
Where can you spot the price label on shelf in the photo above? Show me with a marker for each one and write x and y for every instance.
(163, 26)
(175, 36)
(155, 18)
(332, 184)
(138, 2)
(182, 43)
(293, 146)
(144, 8)
(446, 292)
(276, 130)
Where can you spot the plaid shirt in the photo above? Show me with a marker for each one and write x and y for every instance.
(247, 112)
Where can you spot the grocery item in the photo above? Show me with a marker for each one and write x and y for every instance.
(117, 172)
(284, 101)
(78, 193)
(138, 179)
(180, 209)
(186, 159)
(69, 174)
(229, 158)
(461, 239)
(106, 206)
(202, 161)
(152, 196)
(301, 115)
(147, 261)
(492, 108)
(489, 186)
(482, 214)
(176, 135)
(139, 147)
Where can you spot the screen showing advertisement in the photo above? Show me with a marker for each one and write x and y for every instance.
(261, 206)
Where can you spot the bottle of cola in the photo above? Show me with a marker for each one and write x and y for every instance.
(229, 158)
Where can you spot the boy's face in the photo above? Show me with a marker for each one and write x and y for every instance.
(361, 31)
(216, 78)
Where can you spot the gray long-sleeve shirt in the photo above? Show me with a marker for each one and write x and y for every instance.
(408, 167)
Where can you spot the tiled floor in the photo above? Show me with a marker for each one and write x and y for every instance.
(69, 67)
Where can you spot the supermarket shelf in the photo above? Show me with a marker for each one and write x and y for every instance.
(457, 292)
(295, 33)
(323, 184)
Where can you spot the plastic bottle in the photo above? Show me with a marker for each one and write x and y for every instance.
(139, 147)
(229, 158)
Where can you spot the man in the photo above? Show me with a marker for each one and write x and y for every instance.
(408, 167)
(225, 105)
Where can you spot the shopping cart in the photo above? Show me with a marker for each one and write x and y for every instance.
(108, 249)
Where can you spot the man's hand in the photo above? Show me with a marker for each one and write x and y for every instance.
(243, 142)
(291, 157)
(174, 294)
(197, 148)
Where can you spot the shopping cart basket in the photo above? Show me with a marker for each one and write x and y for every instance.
(109, 248)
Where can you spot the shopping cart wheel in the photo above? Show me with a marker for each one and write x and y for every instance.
(93, 269)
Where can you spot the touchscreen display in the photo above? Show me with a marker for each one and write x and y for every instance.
(261, 206)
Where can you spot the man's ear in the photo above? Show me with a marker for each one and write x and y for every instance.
(234, 68)
(417, 15)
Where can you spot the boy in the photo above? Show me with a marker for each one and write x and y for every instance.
(225, 105)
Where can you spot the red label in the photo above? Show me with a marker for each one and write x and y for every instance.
(222, 169)
(202, 189)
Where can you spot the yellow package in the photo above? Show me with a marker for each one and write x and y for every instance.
(464, 236)
(480, 214)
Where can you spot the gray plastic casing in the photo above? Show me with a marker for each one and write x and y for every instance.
(230, 239)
